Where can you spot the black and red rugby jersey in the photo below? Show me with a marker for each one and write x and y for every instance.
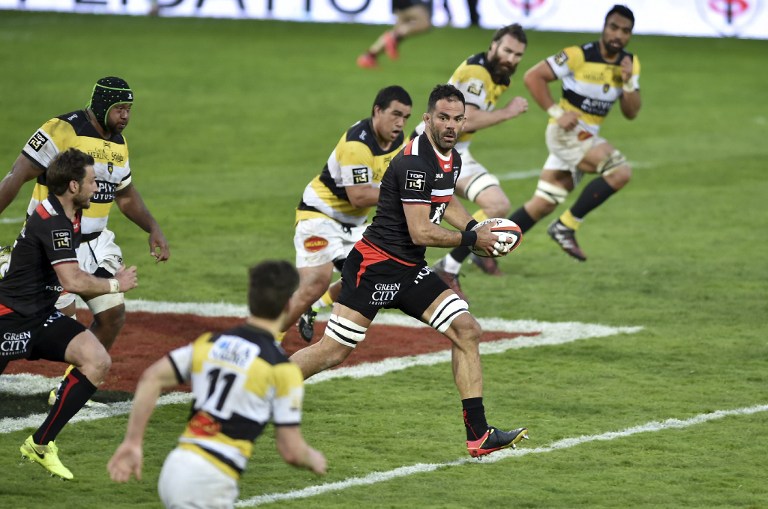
(415, 176)
(47, 238)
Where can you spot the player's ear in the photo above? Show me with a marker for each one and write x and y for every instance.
(425, 117)
(74, 186)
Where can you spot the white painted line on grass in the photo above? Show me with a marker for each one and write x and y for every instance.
(545, 333)
(566, 443)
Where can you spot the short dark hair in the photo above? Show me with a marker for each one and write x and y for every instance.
(388, 94)
(515, 30)
(621, 10)
(271, 284)
(443, 91)
(66, 167)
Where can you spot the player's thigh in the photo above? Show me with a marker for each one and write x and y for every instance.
(493, 201)
(319, 241)
(314, 278)
(85, 349)
(430, 300)
(189, 481)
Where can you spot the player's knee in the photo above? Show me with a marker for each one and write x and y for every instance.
(620, 177)
(499, 208)
(97, 362)
(468, 332)
(314, 289)
(550, 193)
(611, 163)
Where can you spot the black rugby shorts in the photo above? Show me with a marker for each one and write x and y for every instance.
(372, 280)
(36, 337)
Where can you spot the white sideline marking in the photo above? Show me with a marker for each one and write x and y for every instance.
(549, 334)
(566, 443)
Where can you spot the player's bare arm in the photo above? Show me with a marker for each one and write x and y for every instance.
(362, 196)
(456, 214)
(75, 280)
(131, 204)
(630, 100)
(478, 119)
(22, 171)
(128, 457)
(424, 232)
(537, 80)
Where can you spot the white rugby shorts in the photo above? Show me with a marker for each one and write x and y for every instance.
(188, 480)
(568, 148)
(319, 241)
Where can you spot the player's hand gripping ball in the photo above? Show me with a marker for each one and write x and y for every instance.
(506, 230)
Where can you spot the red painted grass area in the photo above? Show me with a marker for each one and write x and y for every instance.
(147, 336)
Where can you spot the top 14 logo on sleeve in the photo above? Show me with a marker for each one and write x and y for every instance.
(414, 180)
(62, 239)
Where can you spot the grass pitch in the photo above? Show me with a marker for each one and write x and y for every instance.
(233, 118)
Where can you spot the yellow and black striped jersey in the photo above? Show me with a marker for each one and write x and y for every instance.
(113, 172)
(241, 379)
(590, 84)
(357, 160)
(473, 77)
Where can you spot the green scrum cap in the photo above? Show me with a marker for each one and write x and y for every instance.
(108, 92)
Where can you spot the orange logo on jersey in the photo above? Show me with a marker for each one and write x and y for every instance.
(204, 425)
(584, 135)
(315, 244)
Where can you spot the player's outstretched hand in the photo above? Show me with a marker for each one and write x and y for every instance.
(516, 106)
(126, 461)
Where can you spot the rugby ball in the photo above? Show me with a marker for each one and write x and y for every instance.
(509, 234)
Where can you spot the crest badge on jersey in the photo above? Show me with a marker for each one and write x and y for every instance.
(475, 86)
(729, 17)
(528, 13)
